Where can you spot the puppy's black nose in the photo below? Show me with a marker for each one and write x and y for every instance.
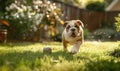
(73, 30)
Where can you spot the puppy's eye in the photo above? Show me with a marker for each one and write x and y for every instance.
(68, 26)
(76, 26)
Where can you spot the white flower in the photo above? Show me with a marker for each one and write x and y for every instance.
(21, 22)
(13, 5)
(6, 17)
(37, 2)
(7, 8)
(24, 7)
(36, 7)
(22, 14)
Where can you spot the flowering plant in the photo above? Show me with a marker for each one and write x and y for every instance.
(31, 15)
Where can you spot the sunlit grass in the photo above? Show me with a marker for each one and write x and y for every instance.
(28, 56)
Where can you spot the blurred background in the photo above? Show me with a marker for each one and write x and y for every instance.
(42, 20)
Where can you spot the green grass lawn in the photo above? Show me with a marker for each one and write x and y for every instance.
(28, 56)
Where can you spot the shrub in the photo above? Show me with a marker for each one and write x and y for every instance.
(104, 34)
(86, 33)
(117, 23)
(18, 28)
(115, 52)
(96, 6)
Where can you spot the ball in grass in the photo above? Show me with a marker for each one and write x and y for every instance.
(47, 50)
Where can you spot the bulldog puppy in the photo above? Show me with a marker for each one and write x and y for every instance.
(73, 34)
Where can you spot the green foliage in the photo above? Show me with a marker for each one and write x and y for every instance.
(86, 33)
(95, 6)
(23, 27)
(115, 52)
(26, 56)
(1, 14)
(117, 23)
(105, 34)
(1, 25)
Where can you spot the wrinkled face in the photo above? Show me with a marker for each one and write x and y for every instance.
(73, 27)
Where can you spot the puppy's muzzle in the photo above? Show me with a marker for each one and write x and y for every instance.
(73, 32)
(73, 29)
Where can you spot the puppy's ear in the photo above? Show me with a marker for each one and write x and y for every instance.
(80, 23)
(65, 23)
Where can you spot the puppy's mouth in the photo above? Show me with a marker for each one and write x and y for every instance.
(73, 35)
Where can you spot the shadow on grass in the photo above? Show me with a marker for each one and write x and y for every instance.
(14, 58)
(32, 59)
(103, 65)
(13, 44)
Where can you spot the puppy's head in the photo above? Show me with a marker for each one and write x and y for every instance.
(73, 27)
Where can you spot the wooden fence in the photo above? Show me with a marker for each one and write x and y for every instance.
(91, 19)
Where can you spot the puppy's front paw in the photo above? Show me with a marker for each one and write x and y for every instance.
(74, 50)
(65, 49)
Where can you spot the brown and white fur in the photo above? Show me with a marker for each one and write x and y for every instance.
(73, 34)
